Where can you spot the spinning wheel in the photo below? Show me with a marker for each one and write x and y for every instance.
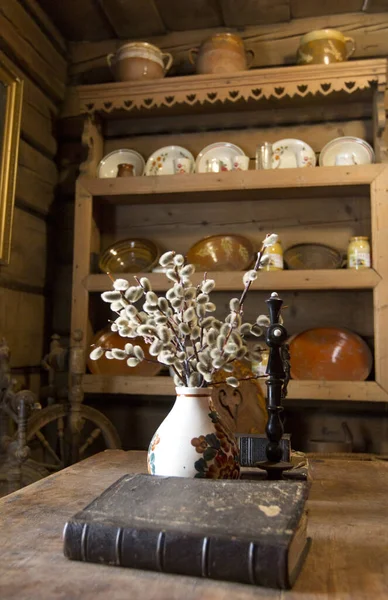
(50, 437)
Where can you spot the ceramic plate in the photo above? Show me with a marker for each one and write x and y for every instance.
(358, 151)
(108, 165)
(161, 162)
(222, 253)
(291, 153)
(329, 354)
(223, 151)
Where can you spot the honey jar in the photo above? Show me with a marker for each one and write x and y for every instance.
(275, 257)
(125, 170)
(259, 367)
(359, 253)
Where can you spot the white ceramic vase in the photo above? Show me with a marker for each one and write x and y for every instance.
(192, 441)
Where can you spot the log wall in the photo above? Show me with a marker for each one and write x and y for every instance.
(39, 56)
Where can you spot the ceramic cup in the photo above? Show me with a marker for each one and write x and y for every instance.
(302, 159)
(125, 170)
(240, 163)
(324, 46)
(182, 165)
(221, 53)
(345, 158)
(138, 61)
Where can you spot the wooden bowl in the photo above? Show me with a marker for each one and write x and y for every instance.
(222, 253)
(104, 366)
(312, 256)
(130, 256)
(329, 354)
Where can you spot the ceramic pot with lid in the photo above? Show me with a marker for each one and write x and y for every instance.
(137, 61)
(324, 46)
(221, 53)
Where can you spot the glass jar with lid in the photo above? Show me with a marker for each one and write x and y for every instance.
(275, 257)
(359, 253)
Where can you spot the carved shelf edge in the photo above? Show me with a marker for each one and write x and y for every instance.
(255, 85)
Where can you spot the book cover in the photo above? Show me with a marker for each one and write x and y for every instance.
(244, 531)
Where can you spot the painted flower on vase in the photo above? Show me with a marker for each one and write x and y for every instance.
(219, 452)
(151, 454)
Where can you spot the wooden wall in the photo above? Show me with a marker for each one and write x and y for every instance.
(38, 52)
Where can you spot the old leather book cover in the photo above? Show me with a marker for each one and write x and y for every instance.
(244, 531)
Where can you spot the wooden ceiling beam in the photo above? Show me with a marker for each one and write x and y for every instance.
(318, 8)
(133, 18)
(374, 6)
(184, 15)
(252, 12)
(78, 20)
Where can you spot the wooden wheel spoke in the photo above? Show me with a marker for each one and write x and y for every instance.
(47, 447)
(61, 433)
(89, 441)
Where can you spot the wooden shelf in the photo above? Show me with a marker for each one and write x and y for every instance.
(251, 185)
(320, 279)
(256, 87)
(367, 391)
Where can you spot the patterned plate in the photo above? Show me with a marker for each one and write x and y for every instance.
(290, 153)
(161, 162)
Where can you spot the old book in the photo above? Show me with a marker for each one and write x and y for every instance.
(244, 531)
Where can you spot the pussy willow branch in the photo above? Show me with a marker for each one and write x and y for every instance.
(242, 379)
(242, 298)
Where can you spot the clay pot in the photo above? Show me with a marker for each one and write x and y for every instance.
(220, 53)
(125, 170)
(324, 46)
(137, 61)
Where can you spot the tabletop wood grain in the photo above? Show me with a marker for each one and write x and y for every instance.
(348, 521)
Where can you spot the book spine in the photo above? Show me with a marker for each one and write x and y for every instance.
(228, 559)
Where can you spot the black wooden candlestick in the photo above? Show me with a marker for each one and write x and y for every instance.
(278, 375)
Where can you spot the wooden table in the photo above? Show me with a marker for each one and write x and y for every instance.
(348, 523)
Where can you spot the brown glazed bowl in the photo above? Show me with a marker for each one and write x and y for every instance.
(105, 366)
(312, 256)
(329, 354)
(221, 253)
(130, 256)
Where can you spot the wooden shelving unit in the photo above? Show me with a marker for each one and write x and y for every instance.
(368, 391)
(256, 185)
(355, 81)
(340, 279)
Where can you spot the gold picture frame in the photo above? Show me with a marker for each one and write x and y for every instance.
(11, 95)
